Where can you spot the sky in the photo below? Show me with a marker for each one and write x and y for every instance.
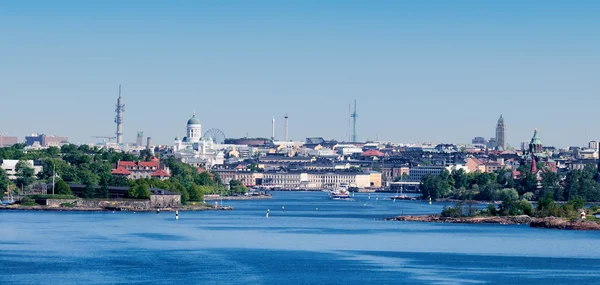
(421, 71)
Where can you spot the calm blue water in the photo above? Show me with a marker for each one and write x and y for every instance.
(344, 242)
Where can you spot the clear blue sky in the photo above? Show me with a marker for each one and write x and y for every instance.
(438, 71)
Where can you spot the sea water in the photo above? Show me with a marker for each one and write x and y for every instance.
(314, 241)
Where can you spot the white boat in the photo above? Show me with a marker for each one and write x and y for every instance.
(401, 196)
(9, 200)
(340, 193)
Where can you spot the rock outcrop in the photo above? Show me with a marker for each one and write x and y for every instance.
(549, 223)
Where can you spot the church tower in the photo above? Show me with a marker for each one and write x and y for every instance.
(194, 129)
(500, 134)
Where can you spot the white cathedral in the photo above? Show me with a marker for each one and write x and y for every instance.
(195, 150)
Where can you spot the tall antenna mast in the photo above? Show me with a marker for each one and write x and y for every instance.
(120, 108)
(273, 129)
(354, 115)
(285, 130)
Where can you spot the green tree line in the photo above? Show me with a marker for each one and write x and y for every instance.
(92, 167)
(490, 186)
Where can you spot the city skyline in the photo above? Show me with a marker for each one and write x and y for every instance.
(531, 62)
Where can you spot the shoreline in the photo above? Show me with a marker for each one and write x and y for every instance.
(548, 223)
(78, 209)
(236, 198)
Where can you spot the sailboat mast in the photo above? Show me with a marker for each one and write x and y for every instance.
(53, 176)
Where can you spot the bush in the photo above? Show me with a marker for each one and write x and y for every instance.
(489, 211)
(453, 212)
(67, 205)
(28, 202)
(522, 207)
(528, 196)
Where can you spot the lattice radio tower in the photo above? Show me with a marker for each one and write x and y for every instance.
(120, 109)
(354, 115)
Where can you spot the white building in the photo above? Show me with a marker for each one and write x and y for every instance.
(193, 149)
(10, 166)
(316, 180)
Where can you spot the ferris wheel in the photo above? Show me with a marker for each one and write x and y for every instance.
(216, 135)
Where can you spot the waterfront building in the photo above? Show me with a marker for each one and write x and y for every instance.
(248, 178)
(302, 180)
(42, 140)
(501, 134)
(7, 140)
(417, 173)
(195, 150)
(391, 172)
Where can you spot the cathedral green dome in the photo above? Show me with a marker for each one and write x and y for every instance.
(535, 140)
(193, 120)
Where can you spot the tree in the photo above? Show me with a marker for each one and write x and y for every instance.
(89, 191)
(203, 179)
(432, 186)
(140, 190)
(53, 152)
(25, 173)
(551, 185)
(4, 181)
(237, 186)
(527, 182)
(146, 155)
(102, 192)
(118, 180)
(62, 188)
(196, 194)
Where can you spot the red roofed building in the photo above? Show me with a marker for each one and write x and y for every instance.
(141, 169)
(122, 171)
(373, 152)
(160, 174)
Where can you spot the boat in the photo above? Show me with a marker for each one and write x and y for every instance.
(340, 193)
(9, 200)
(401, 196)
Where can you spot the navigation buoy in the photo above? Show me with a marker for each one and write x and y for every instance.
(316, 209)
(268, 213)
(176, 214)
(157, 211)
(282, 208)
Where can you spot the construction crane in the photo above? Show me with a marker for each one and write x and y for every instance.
(104, 138)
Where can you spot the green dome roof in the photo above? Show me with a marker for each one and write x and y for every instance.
(193, 120)
(535, 139)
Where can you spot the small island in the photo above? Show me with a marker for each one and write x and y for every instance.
(569, 216)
